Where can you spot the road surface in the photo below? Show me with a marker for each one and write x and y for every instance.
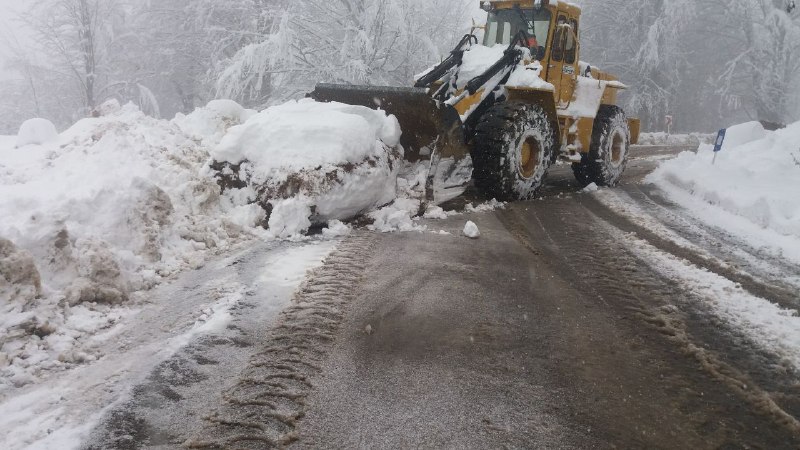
(550, 331)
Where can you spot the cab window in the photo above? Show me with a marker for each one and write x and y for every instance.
(571, 47)
(503, 24)
(558, 40)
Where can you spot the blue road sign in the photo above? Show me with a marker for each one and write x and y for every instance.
(720, 140)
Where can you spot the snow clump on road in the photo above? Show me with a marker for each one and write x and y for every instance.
(752, 188)
(471, 230)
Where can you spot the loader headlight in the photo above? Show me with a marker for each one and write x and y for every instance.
(487, 6)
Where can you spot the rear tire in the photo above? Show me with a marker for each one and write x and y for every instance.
(512, 150)
(608, 155)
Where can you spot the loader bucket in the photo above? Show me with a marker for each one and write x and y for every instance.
(431, 131)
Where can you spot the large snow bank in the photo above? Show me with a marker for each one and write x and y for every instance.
(87, 221)
(36, 131)
(756, 178)
(312, 162)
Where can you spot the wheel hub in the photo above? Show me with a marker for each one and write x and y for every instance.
(530, 156)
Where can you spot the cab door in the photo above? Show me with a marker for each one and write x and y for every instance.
(563, 66)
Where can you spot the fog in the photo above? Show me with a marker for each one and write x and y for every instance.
(709, 64)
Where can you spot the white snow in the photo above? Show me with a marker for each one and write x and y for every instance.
(89, 222)
(476, 61)
(36, 131)
(588, 95)
(398, 216)
(751, 190)
(661, 138)
(342, 159)
(529, 76)
(590, 188)
(471, 230)
(60, 411)
(209, 123)
(306, 134)
(771, 327)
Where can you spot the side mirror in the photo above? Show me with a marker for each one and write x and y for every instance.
(540, 53)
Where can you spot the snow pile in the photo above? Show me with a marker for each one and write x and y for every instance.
(688, 140)
(399, 216)
(112, 207)
(209, 124)
(307, 162)
(756, 178)
(36, 132)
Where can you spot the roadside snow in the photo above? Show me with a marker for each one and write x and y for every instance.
(88, 222)
(768, 325)
(751, 190)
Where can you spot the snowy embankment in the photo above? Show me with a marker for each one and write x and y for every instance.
(96, 215)
(751, 190)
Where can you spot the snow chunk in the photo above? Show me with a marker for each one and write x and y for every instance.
(397, 217)
(343, 159)
(590, 188)
(36, 132)
(336, 228)
(289, 217)
(471, 230)
(435, 212)
(306, 134)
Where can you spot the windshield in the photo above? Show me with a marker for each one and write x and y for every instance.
(504, 24)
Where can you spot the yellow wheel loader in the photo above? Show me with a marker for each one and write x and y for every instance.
(503, 112)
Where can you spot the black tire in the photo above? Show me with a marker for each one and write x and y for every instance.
(512, 150)
(608, 155)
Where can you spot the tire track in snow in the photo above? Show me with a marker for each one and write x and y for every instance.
(262, 408)
(702, 246)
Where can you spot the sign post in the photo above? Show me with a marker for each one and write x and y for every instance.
(718, 143)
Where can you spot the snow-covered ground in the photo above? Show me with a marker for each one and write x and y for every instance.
(60, 410)
(750, 191)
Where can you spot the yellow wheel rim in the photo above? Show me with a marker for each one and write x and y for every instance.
(529, 157)
(617, 148)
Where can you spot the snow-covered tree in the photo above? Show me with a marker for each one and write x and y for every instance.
(343, 41)
(762, 76)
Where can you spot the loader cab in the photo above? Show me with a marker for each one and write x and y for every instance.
(503, 25)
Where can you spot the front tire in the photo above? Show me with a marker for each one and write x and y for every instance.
(512, 150)
(608, 155)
